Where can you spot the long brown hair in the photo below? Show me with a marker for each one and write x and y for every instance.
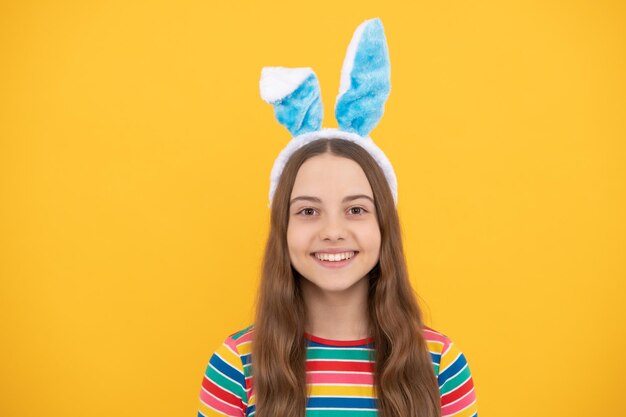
(405, 381)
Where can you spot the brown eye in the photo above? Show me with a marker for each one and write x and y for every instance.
(358, 208)
(307, 210)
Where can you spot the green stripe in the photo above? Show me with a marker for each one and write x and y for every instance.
(457, 380)
(247, 370)
(225, 383)
(341, 413)
(354, 354)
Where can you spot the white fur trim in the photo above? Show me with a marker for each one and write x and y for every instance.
(278, 82)
(348, 62)
(365, 142)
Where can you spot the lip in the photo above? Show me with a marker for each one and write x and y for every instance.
(335, 264)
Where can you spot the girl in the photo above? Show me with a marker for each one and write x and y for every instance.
(337, 330)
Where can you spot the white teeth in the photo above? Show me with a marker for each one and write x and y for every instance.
(334, 257)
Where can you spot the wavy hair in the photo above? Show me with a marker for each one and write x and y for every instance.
(405, 382)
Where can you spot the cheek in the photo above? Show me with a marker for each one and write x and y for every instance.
(372, 236)
(294, 240)
(290, 243)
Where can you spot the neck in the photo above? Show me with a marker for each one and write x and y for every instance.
(338, 315)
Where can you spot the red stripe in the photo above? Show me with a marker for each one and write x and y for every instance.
(457, 393)
(332, 342)
(221, 393)
(313, 365)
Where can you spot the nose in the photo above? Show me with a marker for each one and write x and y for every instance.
(333, 228)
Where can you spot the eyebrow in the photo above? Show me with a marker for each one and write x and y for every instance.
(318, 200)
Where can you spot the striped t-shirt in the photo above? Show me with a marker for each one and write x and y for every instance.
(339, 377)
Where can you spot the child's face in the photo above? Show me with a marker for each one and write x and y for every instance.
(331, 223)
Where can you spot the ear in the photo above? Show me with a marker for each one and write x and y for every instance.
(295, 94)
(365, 79)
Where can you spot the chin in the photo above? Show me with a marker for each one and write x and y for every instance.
(336, 284)
(336, 289)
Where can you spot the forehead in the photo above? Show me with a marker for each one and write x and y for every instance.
(330, 176)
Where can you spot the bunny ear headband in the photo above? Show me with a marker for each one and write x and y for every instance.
(363, 91)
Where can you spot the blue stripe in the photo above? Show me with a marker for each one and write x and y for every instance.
(452, 369)
(228, 370)
(341, 402)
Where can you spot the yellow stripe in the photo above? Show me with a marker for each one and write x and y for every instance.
(230, 357)
(342, 390)
(434, 347)
(244, 348)
(449, 357)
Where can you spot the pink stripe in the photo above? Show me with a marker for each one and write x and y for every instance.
(232, 344)
(246, 337)
(437, 337)
(227, 409)
(339, 378)
(464, 402)
(433, 336)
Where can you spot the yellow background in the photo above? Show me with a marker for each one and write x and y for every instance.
(135, 154)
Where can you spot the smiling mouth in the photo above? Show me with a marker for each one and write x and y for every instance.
(335, 256)
(331, 263)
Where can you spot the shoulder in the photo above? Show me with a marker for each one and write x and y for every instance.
(241, 337)
(233, 351)
(242, 332)
(436, 342)
(238, 343)
(225, 385)
(446, 355)
(458, 395)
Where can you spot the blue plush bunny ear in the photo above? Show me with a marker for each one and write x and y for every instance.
(295, 94)
(365, 80)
